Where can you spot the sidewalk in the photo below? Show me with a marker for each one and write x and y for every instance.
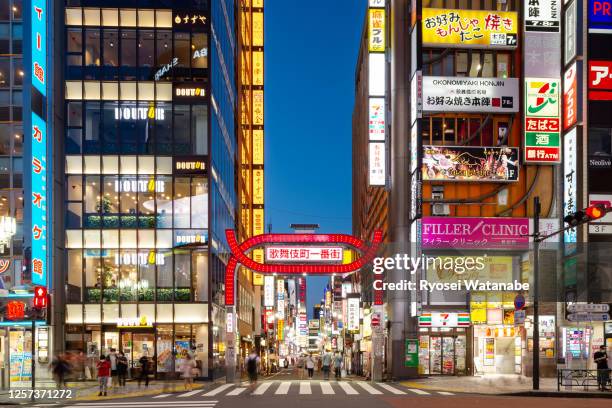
(496, 384)
(89, 391)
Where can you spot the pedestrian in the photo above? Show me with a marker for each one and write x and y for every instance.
(144, 370)
(603, 372)
(187, 369)
(310, 365)
(112, 356)
(60, 369)
(252, 364)
(104, 372)
(122, 366)
(338, 366)
(326, 361)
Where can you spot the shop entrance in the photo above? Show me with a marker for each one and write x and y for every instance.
(136, 345)
(442, 353)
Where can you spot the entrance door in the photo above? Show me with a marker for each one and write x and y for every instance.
(446, 355)
(136, 345)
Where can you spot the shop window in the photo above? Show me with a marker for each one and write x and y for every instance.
(165, 360)
(199, 58)
(92, 47)
(448, 128)
(92, 195)
(128, 49)
(129, 283)
(199, 200)
(163, 201)
(182, 190)
(93, 276)
(165, 277)
(146, 48)
(199, 129)
(111, 48)
(146, 283)
(163, 44)
(110, 202)
(182, 119)
(74, 215)
(182, 276)
(437, 134)
(182, 49)
(475, 64)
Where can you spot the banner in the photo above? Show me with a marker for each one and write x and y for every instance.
(475, 232)
(461, 163)
(542, 117)
(456, 94)
(376, 30)
(469, 28)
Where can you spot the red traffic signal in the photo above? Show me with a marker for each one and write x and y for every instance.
(40, 297)
(595, 212)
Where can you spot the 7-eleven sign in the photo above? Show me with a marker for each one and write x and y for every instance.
(450, 319)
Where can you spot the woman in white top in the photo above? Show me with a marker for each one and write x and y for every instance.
(310, 366)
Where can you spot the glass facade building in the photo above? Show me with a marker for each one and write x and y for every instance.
(148, 180)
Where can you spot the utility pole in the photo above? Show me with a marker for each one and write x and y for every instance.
(536, 294)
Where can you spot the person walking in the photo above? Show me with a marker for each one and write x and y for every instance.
(603, 372)
(122, 366)
(60, 368)
(187, 369)
(112, 356)
(144, 370)
(252, 365)
(338, 366)
(310, 365)
(326, 361)
(104, 372)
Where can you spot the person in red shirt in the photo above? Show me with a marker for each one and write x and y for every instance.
(104, 372)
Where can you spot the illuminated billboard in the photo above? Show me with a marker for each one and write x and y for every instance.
(462, 163)
(469, 28)
(542, 120)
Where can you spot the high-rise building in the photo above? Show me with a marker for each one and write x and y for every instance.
(147, 183)
(456, 128)
(250, 62)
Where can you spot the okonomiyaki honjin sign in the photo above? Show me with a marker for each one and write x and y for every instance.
(475, 232)
(459, 163)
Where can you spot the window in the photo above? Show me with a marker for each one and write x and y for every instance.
(182, 49)
(600, 142)
(5, 72)
(200, 51)
(92, 47)
(18, 72)
(163, 44)
(128, 48)
(146, 48)
(111, 56)
(456, 130)
(182, 119)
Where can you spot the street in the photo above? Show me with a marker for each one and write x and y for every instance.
(272, 392)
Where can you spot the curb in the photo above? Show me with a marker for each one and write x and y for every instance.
(559, 394)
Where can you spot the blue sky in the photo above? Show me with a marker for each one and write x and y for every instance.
(311, 50)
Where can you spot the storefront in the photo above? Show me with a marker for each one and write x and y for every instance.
(444, 343)
(497, 349)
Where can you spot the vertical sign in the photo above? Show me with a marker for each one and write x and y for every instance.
(352, 323)
(570, 184)
(543, 15)
(39, 201)
(269, 291)
(377, 168)
(542, 117)
(570, 44)
(38, 141)
(39, 45)
(571, 95)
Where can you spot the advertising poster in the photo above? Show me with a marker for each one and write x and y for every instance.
(489, 352)
(455, 94)
(459, 163)
(469, 28)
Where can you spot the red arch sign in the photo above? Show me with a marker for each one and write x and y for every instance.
(239, 255)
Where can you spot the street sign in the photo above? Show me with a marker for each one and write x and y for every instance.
(588, 317)
(519, 302)
(588, 308)
(519, 316)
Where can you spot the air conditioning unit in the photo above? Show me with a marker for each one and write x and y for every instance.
(439, 208)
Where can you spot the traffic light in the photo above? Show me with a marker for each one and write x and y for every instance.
(591, 213)
(40, 297)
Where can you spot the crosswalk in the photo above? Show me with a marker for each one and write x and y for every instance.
(280, 388)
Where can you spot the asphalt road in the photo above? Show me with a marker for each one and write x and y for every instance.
(287, 390)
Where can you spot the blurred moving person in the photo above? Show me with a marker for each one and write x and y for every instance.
(188, 369)
(252, 365)
(338, 366)
(60, 367)
(310, 365)
(122, 366)
(104, 372)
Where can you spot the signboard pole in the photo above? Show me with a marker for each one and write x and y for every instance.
(536, 288)
(378, 345)
(33, 360)
(230, 352)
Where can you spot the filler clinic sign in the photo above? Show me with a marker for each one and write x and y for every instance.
(456, 94)
(469, 28)
(460, 163)
(475, 232)
(542, 121)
